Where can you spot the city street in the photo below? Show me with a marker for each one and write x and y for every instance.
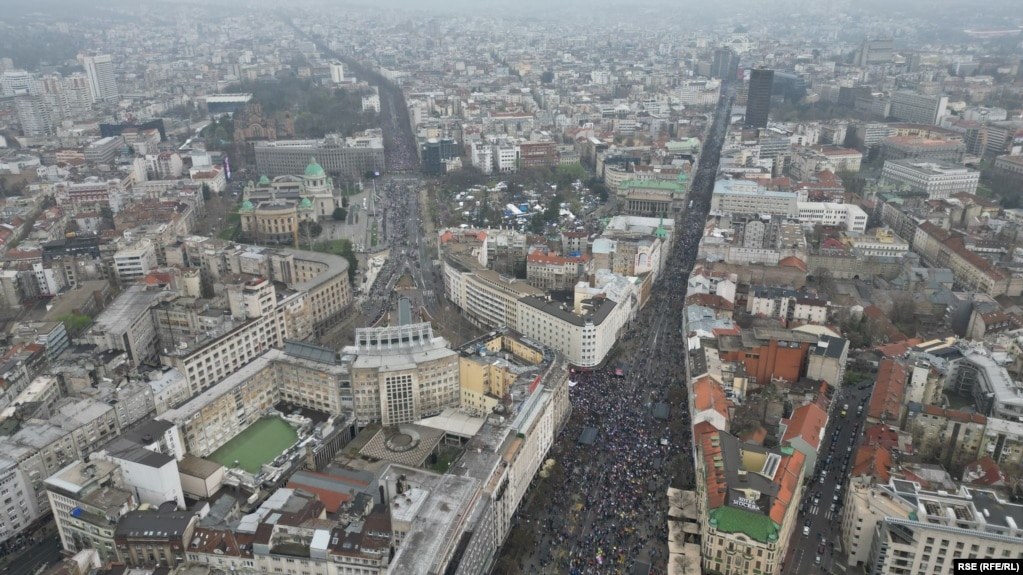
(818, 498)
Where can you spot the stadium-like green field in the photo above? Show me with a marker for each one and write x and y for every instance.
(260, 443)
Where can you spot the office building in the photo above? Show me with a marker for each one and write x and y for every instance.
(100, 72)
(874, 52)
(134, 261)
(758, 102)
(938, 180)
(994, 391)
(747, 498)
(848, 217)
(350, 158)
(401, 374)
(900, 527)
(918, 108)
(436, 152)
(725, 64)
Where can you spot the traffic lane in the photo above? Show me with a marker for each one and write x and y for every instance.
(42, 553)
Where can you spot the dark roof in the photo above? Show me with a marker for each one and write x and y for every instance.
(601, 309)
(588, 436)
(127, 450)
(662, 411)
(833, 347)
(155, 525)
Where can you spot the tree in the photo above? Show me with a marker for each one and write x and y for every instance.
(344, 201)
(340, 214)
(75, 323)
(309, 230)
(547, 77)
(553, 211)
(108, 217)
(206, 192)
(537, 224)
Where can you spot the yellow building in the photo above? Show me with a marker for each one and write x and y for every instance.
(489, 365)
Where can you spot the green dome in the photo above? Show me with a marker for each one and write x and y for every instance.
(264, 181)
(305, 204)
(314, 170)
(246, 205)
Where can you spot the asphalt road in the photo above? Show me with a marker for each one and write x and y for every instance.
(825, 523)
(43, 553)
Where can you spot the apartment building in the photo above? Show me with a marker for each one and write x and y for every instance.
(786, 304)
(324, 277)
(809, 160)
(148, 538)
(554, 272)
(104, 150)
(749, 197)
(401, 374)
(487, 370)
(939, 248)
(87, 499)
(950, 436)
(20, 506)
(1003, 441)
(747, 499)
(939, 180)
(827, 360)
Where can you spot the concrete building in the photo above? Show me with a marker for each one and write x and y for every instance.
(401, 374)
(21, 508)
(848, 217)
(34, 116)
(786, 304)
(900, 526)
(918, 108)
(949, 436)
(827, 360)
(126, 324)
(99, 70)
(758, 102)
(350, 158)
(809, 160)
(585, 335)
(747, 499)
(147, 538)
(936, 179)
(87, 499)
(749, 197)
(1003, 441)
(104, 150)
(994, 391)
(553, 272)
(923, 149)
(134, 260)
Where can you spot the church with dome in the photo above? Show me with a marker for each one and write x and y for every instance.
(272, 210)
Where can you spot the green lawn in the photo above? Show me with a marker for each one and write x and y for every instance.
(260, 443)
(373, 235)
(227, 233)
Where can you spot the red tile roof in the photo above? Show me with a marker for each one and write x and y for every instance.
(985, 471)
(707, 394)
(886, 400)
(793, 262)
(788, 477)
(874, 462)
(808, 422)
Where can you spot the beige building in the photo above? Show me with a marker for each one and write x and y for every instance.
(1003, 442)
(747, 498)
(87, 499)
(489, 365)
(401, 374)
(946, 435)
(901, 528)
(302, 374)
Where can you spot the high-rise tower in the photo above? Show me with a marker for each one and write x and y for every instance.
(100, 71)
(758, 103)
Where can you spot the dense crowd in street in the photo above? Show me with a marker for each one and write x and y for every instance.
(396, 205)
(611, 511)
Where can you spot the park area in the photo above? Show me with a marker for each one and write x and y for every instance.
(259, 443)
